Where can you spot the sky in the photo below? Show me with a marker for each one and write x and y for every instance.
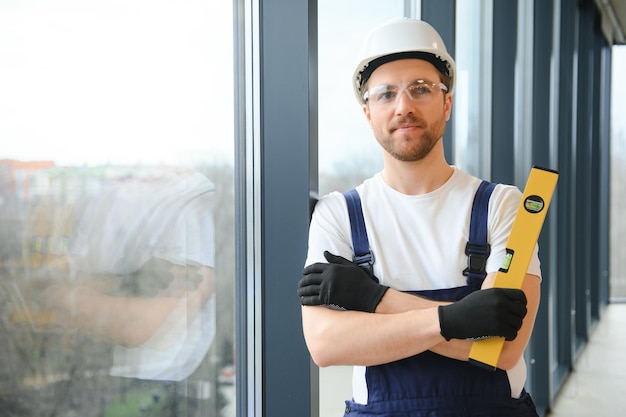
(85, 81)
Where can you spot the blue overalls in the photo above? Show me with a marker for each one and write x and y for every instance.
(427, 384)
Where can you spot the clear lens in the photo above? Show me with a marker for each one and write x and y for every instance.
(418, 91)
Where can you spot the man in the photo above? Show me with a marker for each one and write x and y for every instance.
(411, 354)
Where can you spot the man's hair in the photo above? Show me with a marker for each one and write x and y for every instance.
(441, 66)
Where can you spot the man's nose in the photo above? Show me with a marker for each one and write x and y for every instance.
(404, 102)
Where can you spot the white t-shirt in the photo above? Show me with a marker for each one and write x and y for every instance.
(418, 241)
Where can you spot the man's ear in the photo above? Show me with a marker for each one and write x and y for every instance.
(447, 106)
(366, 112)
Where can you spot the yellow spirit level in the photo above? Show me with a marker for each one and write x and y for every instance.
(519, 248)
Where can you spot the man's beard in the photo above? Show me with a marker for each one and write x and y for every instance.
(408, 148)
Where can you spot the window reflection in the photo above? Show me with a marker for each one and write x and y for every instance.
(116, 209)
(134, 266)
(109, 284)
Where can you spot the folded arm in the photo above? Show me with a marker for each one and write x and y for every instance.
(401, 325)
(398, 302)
(357, 338)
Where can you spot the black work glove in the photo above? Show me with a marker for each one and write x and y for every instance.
(484, 313)
(340, 284)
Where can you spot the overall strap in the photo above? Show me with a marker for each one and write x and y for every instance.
(478, 248)
(363, 256)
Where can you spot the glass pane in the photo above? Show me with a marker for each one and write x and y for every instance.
(348, 151)
(116, 184)
(471, 94)
(618, 170)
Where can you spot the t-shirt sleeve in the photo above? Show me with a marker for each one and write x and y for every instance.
(329, 229)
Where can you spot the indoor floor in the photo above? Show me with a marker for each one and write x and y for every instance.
(597, 384)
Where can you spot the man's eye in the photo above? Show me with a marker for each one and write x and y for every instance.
(386, 96)
(421, 90)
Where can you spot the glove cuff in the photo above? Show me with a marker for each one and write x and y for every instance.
(442, 330)
(376, 297)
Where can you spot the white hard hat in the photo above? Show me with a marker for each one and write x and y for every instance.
(402, 38)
